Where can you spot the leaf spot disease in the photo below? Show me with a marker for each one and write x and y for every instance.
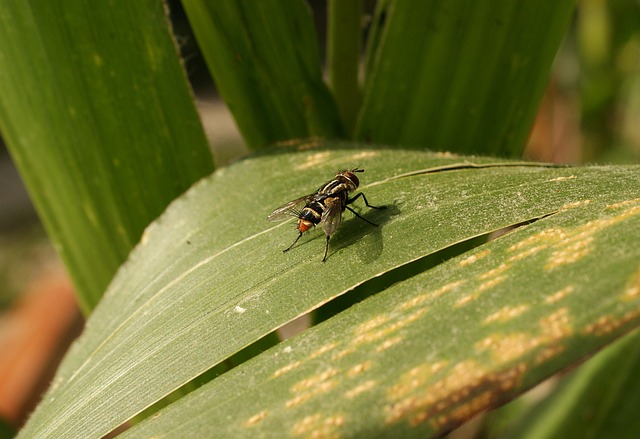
(386, 344)
(570, 177)
(505, 348)
(474, 258)
(465, 390)
(571, 252)
(256, 419)
(494, 272)
(508, 347)
(559, 295)
(491, 283)
(633, 202)
(315, 426)
(288, 368)
(323, 349)
(467, 299)
(632, 291)
(359, 368)
(575, 204)
(607, 324)
(314, 160)
(312, 386)
(506, 313)
(360, 388)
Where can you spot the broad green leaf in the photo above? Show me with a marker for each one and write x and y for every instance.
(100, 122)
(209, 277)
(458, 75)
(265, 62)
(429, 353)
(600, 399)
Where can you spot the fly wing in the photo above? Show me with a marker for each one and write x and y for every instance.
(287, 210)
(332, 216)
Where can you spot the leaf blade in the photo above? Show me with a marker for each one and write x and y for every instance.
(438, 66)
(88, 115)
(269, 74)
(200, 296)
(483, 324)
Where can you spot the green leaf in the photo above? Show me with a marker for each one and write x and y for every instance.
(344, 43)
(429, 353)
(600, 399)
(458, 75)
(265, 62)
(209, 277)
(99, 119)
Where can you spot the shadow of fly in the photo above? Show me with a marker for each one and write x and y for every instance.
(324, 206)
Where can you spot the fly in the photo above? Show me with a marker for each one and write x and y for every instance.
(324, 206)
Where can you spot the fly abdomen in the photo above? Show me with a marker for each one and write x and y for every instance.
(312, 213)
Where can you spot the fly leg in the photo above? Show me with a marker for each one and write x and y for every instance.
(361, 217)
(366, 202)
(326, 248)
(294, 243)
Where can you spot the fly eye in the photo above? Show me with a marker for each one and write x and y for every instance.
(351, 176)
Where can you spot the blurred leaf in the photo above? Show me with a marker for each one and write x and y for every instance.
(100, 122)
(344, 43)
(459, 75)
(209, 278)
(598, 400)
(265, 62)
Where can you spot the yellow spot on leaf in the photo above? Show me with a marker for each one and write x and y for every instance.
(361, 156)
(607, 324)
(543, 238)
(447, 288)
(306, 424)
(343, 353)
(474, 258)
(307, 388)
(323, 349)
(314, 160)
(570, 252)
(289, 367)
(315, 426)
(625, 203)
(314, 380)
(467, 299)
(548, 353)
(507, 313)
(575, 204)
(255, 419)
(570, 177)
(491, 283)
(359, 368)
(526, 253)
(507, 347)
(372, 323)
(632, 290)
(386, 344)
(414, 301)
(557, 326)
(493, 272)
(360, 388)
(559, 294)
(465, 390)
